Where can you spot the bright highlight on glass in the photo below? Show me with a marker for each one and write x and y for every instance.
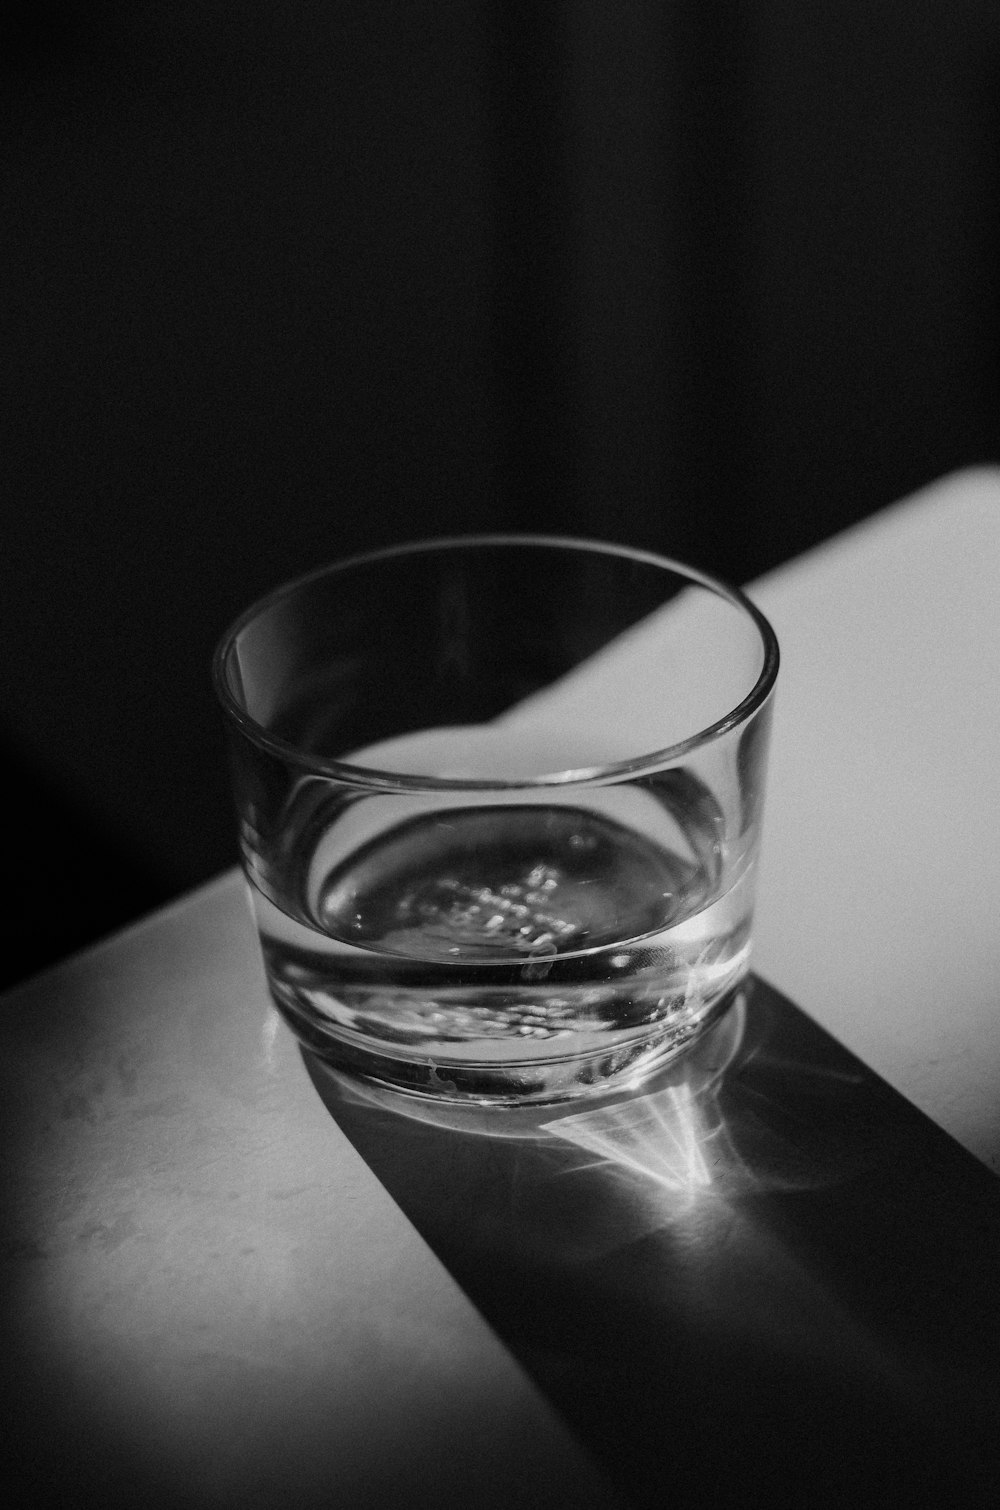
(499, 806)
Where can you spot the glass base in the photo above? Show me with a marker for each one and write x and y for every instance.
(604, 1069)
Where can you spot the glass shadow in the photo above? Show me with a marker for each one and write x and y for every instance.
(764, 1277)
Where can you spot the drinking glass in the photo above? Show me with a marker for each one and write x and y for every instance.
(499, 803)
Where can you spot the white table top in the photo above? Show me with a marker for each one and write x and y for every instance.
(211, 1283)
(881, 864)
(209, 1280)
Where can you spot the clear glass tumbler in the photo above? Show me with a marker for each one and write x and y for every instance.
(499, 804)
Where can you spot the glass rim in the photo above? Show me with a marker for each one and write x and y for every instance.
(372, 778)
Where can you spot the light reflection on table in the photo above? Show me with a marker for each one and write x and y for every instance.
(761, 1258)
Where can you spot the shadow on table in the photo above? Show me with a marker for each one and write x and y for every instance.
(764, 1277)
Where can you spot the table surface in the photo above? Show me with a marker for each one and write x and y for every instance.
(212, 1296)
(881, 859)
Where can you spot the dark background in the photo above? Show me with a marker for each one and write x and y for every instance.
(282, 282)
